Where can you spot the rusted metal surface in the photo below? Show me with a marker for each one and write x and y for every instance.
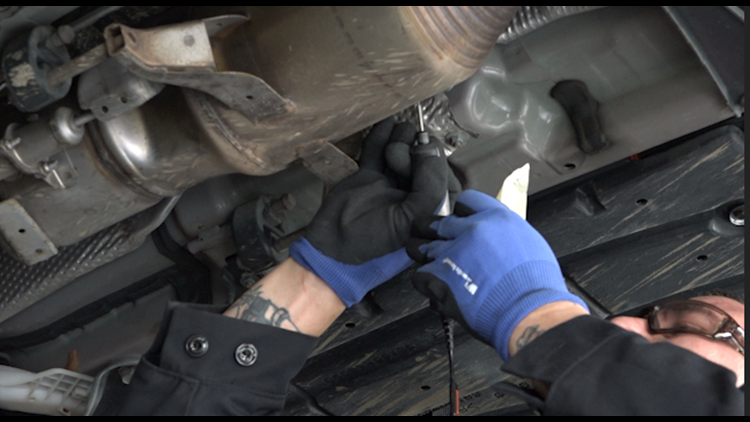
(260, 95)
(446, 28)
(75, 67)
(182, 55)
(342, 68)
(181, 46)
(270, 91)
(327, 162)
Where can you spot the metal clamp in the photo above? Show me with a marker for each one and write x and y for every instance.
(181, 55)
(29, 148)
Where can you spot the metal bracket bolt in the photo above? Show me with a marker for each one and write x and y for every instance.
(48, 171)
(47, 167)
(285, 203)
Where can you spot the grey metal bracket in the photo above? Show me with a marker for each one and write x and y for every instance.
(109, 90)
(181, 55)
(22, 235)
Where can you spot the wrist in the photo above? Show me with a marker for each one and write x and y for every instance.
(350, 282)
(290, 297)
(542, 319)
(521, 291)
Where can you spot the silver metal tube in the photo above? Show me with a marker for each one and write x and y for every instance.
(421, 117)
(83, 119)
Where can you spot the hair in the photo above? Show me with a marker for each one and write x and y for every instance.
(724, 293)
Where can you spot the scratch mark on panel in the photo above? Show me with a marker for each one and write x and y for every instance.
(683, 246)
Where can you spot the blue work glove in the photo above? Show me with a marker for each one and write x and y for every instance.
(357, 239)
(487, 269)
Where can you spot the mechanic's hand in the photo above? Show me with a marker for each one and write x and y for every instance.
(487, 269)
(356, 240)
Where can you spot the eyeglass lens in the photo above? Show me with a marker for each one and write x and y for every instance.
(688, 316)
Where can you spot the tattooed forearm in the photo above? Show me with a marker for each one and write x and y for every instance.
(253, 307)
(529, 334)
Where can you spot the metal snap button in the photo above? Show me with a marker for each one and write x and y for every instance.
(196, 346)
(246, 354)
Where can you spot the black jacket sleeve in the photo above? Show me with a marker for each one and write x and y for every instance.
(210, 380)
(593, 367)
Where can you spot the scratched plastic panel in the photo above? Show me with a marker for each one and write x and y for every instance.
(658, 264)
(653, 227)
(22, 285)
(693, 178)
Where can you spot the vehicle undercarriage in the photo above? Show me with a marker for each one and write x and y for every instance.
(158, 153)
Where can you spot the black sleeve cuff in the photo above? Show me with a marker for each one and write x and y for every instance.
(280, 353)
(171, 379)
(594, 367)
(552, 354)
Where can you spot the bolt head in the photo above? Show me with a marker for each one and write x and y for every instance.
(48, 166)
(737, 216)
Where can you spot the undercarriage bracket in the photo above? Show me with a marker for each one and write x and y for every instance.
(181, 55)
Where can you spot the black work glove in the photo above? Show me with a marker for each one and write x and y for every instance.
(356, 240)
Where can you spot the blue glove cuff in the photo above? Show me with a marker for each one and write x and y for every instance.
(511, 300)
(350, 282)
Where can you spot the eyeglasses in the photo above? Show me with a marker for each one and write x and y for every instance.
(694, 317)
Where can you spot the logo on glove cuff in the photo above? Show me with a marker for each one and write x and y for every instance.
(468, 284)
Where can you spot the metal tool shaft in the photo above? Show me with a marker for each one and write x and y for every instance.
(423, 138)
(421, 117)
